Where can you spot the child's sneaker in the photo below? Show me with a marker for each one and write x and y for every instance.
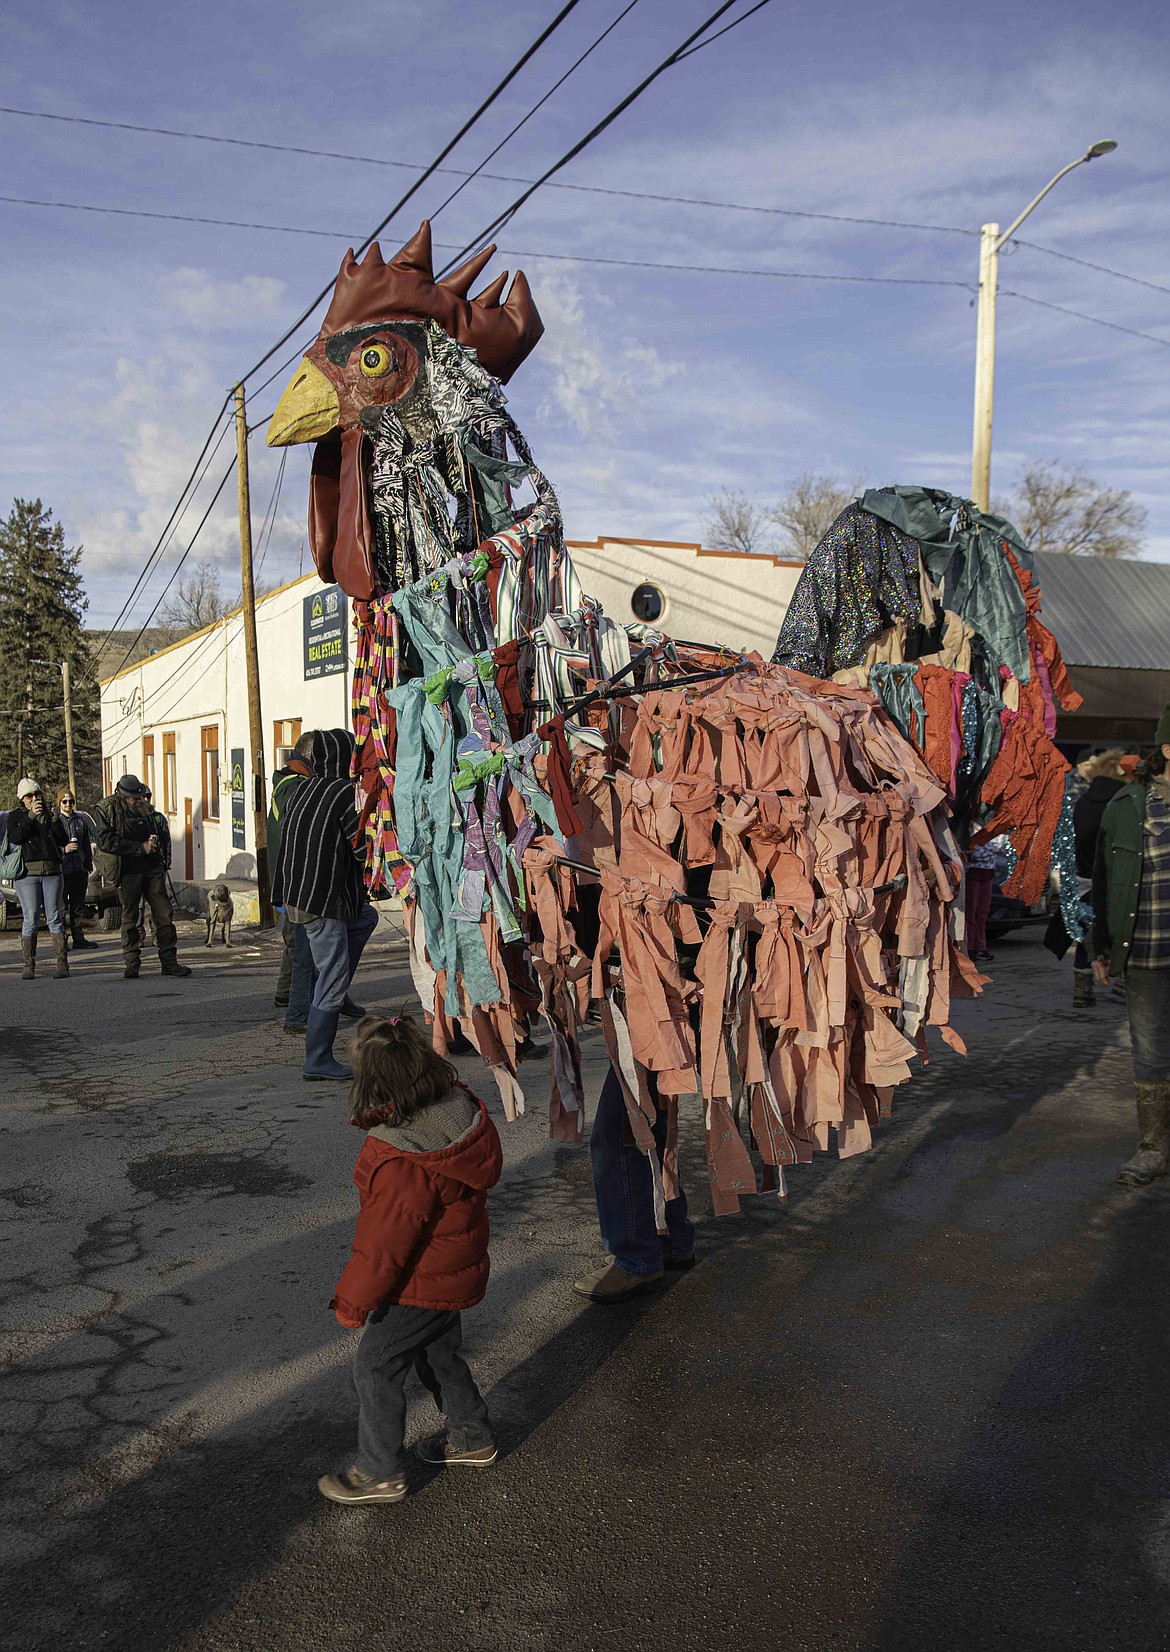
(350, 1485)
(439, 1449)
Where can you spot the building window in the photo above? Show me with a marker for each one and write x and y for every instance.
(209, 741)
(286, 731)
(125, 763)
(108, 776)
(648, 603)
(170, 775)
(148, 762)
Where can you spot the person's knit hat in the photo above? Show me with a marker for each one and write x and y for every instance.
(64, 791)
(131, 786)
(1162, 732)
(27, 788)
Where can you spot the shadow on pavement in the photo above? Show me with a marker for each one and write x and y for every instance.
(1054, 1528)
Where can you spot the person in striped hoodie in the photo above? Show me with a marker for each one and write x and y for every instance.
(318, 881)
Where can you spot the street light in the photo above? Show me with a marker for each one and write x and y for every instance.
(989, 249)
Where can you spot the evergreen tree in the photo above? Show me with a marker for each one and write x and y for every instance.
(42, 605)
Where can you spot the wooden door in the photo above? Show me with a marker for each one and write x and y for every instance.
(188, 838)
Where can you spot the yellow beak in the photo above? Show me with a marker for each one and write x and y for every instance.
(307, 410)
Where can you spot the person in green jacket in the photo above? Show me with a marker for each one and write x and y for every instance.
(1131, 940)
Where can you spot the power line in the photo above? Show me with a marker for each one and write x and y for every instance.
(606, 121)
(573, 67)
(1102, 269)
(649, 264)
(1063, 309)
(418, 183)
(494, 177)
(227, 473)
(723, 269)
(544, 35)
(190, 487)
(759, 5)
(506, 252)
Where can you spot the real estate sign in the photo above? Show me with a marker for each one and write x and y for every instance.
(238, 839)
(326, 618)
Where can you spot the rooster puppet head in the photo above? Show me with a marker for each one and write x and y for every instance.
(371, 354)
(367, 354)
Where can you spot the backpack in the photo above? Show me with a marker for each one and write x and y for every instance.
(108, 867)
(11, 857)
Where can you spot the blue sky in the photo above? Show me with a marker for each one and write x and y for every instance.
(651, 390)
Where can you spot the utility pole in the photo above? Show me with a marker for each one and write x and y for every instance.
(68, 728)
(990, 245)
(985, 365)
(255, 721)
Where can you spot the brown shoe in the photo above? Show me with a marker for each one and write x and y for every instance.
(614, 1284)
(438, 1449)
(28, 951)
(1150, 1160)
(350, 1485)
(61, 953)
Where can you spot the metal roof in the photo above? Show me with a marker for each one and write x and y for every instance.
(1106, 611)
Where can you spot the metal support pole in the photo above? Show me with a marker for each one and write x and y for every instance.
(251, 656)
(985, 366)
(68, 728)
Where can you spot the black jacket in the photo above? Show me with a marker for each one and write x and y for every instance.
(40, 838)
(318, 870)
(1087, 812)
(79, 827)
(124, 825)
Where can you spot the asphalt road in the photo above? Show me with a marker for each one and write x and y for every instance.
(924, 1405)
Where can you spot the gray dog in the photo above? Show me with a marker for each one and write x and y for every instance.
(220, 910)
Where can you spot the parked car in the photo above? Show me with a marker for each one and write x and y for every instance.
(1006, 912)
(102, 900)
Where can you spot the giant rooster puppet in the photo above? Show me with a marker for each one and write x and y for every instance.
(774, 911)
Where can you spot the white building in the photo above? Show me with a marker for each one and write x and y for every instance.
(179, 718)
(702, 596)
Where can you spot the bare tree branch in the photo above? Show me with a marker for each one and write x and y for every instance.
(1061, 508)
(198, 600)
(809, 509)
(734, 522)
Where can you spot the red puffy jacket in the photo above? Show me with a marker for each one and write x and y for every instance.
(422, 1232)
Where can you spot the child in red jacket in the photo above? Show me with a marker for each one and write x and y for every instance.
(420, 1255)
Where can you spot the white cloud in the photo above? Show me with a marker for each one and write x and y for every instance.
(200, 297)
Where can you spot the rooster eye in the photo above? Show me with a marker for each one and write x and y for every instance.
(376, 361)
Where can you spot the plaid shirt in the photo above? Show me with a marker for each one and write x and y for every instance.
(1151, 930)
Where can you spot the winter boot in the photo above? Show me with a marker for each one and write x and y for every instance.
(352, 1011)
(28, 951)
(1083, 998)
(1153, 1110)
(320, 1062)
(172, 966)
(80, 938)
(61, 953)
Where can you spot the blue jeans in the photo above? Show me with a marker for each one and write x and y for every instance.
(336, 945)
(300, 986)
(30, 892)
(624, 1186)
(1147, 998)
(395, 1340)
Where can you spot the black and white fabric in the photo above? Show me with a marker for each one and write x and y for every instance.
(318, 872)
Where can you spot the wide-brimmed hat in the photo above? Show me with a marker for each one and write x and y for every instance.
(131, 785)
(27, 788)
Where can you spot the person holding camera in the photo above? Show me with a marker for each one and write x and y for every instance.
(129, 833)
(42, 841)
